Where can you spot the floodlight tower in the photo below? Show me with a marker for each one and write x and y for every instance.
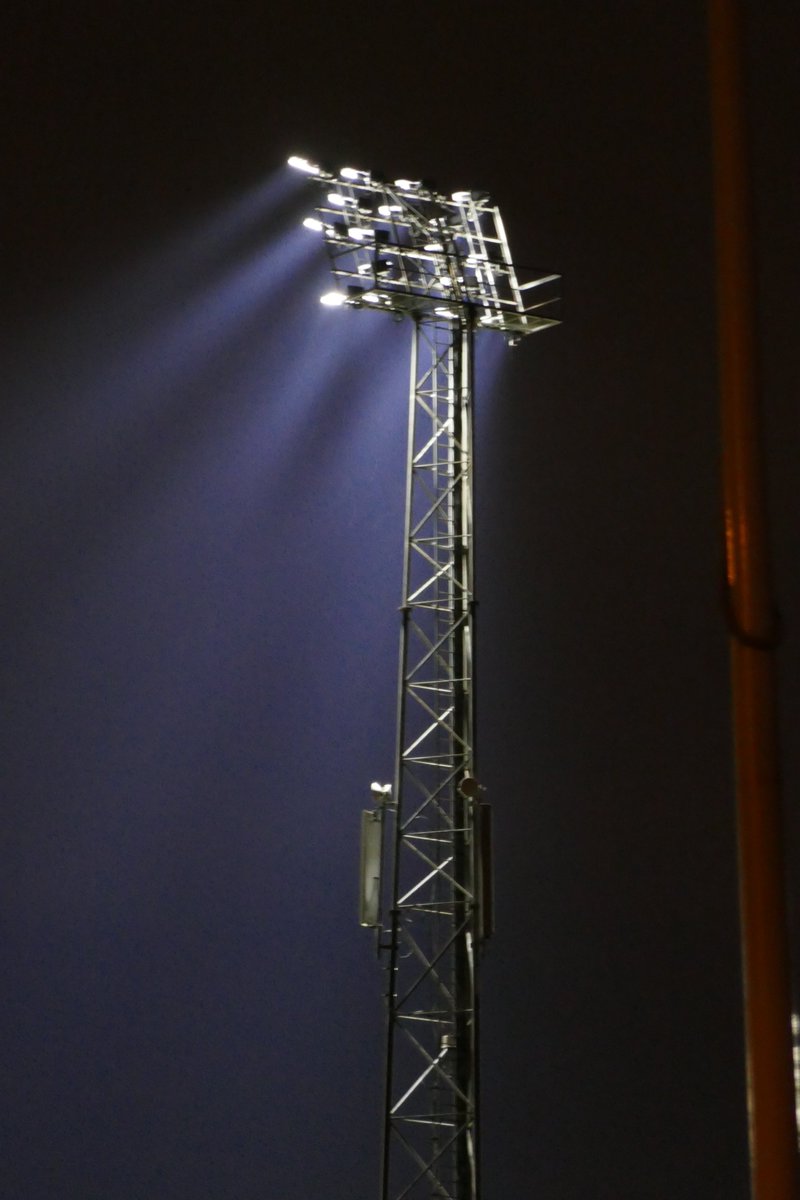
(444, 262)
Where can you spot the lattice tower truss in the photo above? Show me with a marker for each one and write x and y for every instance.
(425, 881)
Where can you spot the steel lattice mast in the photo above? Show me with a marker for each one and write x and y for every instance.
(445, 263)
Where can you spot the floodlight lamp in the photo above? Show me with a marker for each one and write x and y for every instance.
(359, 234)
(386, 210)
(354, 174)
(340, 201)
(333, 299)
(314, 224)
(302, 164)
(381, 789)
(408, 185)
(474, 194)
(433, 247)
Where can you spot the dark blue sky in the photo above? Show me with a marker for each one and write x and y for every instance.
(201, 533)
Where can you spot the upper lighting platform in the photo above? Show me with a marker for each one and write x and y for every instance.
(403, 248)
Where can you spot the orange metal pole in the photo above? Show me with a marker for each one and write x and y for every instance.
(752, 627)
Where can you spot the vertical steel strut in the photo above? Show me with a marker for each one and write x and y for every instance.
(432, 851)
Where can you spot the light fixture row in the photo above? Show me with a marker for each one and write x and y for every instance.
(354, 175)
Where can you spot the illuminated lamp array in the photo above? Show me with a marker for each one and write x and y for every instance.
(430, 251)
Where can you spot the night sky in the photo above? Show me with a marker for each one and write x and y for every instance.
(202, 532)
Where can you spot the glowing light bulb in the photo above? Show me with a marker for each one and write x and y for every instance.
(353, 173)
(333, 299)
(314, 224)
(340, 201)
(302, 164)
(461, 197)
(386, 210)
(407, 185)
